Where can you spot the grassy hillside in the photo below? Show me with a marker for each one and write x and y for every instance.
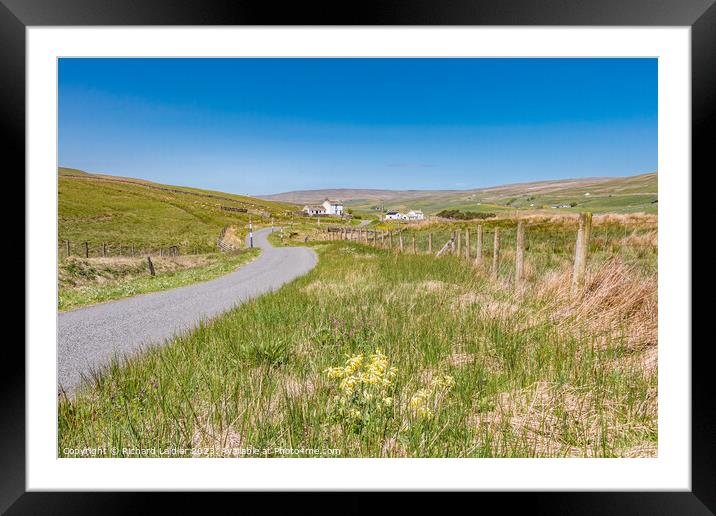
(380, 354)
(131, 212)
(618, 195)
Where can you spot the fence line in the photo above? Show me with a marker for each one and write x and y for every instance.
(378, 238)
(87, 250)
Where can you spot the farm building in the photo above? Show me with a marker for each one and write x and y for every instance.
(333, 207)
(314, 210)
(410, 216)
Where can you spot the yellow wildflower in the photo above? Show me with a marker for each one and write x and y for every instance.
(364, 386)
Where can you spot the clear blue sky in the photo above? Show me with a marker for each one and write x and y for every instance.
(261, 126)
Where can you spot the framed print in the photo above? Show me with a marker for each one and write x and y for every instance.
(445, 248)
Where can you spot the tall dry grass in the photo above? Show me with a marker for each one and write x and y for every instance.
(618, 302)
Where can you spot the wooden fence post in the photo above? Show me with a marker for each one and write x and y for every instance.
(390, 240)
(86, 250)
(581, 251)
(467, 244)
(151, 265)
(520, 254)
(104, 249)
(478, 251)
(430, 243)
(414, 248)
(448, 245)
(132, 250)
(68, 247)
(400, 238)
(496, 254)
(459, 243)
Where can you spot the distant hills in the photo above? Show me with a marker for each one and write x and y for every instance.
(597, 194)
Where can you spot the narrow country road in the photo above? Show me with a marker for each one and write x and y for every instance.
(87, 338)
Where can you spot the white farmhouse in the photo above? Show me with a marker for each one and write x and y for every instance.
(415, 215)
(314, 210)
(392, 215)
(333, 207)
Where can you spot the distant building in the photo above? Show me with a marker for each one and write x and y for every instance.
(412, 215)
(415, 215)
(314, 210)
(333, 207)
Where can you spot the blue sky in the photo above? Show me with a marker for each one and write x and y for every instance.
(258, 126)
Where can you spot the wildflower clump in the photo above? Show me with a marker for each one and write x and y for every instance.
(365, 389)
(426, 401)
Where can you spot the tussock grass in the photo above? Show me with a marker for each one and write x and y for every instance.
(533, 373)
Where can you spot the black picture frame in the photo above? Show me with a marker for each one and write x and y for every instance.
(17, 15)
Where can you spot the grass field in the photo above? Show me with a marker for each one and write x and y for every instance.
(86, 281)
(378, 354)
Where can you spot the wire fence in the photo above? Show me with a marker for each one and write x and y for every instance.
(86, 249)
(482, 247)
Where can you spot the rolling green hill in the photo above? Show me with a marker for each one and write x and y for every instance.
(122, 211)
(599, 195)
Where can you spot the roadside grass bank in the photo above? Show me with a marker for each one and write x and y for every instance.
(87, 281)
(384, 355)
